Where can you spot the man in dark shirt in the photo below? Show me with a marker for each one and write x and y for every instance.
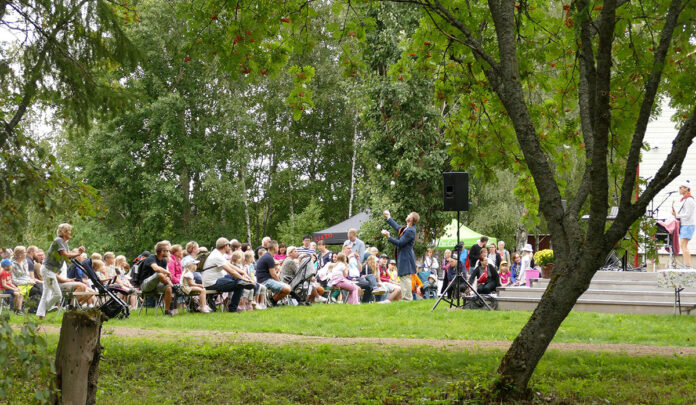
(154, 275)
(475, 250)
(264, 245)
(31, 253)
(266, 274)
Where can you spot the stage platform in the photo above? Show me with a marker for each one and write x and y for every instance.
(610, 292)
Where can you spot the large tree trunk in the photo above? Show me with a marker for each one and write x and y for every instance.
(567, 284)
(77, 357)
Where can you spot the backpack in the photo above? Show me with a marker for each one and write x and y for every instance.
(201, 261)
(135, 270)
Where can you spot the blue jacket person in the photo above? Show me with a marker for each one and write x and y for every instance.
(405, 258)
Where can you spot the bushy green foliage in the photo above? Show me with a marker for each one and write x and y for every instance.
(64, 62)
(28, 373)
(311, 219)
(404, 151)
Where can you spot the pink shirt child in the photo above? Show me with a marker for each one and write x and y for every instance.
(337, 273)
(504, 278)
(174, 267)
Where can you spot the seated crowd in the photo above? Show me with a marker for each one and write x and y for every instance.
(240, 278)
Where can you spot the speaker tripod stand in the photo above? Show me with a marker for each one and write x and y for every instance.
(456, 300)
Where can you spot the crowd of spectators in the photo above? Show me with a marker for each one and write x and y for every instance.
(234, 275)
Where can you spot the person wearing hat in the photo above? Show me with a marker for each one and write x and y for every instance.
(430, 287)
(7, 287)
(405, 257)
(189, 285)
(525, 264)
(686, 214)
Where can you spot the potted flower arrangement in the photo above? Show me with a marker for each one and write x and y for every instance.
(544, 258)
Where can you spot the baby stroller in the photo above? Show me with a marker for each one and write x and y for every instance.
(301, 284)
(114, 307)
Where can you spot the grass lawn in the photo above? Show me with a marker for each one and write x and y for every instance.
(414, 320)
(189, 370)
(142, 371)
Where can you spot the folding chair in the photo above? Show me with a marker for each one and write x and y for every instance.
(4, 301)
(159, 301)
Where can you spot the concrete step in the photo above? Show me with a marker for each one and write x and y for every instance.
(635, 285)
(593, 305)
(664, 295)
(625, 275)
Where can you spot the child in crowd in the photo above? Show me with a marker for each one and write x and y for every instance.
(281, 255)
(416, 287)
(7, 287)
(259, 301)
(504, 274)
(430, 287)
(237, 261)
(188, 286)
(339, 278)
(100, 269)
(121, 268)
(393, 272)
(515, 268)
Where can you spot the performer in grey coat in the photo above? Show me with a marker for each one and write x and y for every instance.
(405, 258)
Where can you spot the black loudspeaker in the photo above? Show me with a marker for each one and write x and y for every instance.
(456, 191)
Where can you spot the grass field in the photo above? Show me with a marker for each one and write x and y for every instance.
(188, 370)
(414, 320)
(140, 371)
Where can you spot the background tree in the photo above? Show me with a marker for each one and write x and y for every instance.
(61, 61)
(204, 152)
(403, 151)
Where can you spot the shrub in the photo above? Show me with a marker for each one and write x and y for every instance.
(28, 371)
(543, 257)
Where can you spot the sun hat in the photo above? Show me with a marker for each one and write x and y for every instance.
(504, 262)
(528, 248)
(6, 263)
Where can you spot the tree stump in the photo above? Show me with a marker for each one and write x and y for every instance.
(77, 357)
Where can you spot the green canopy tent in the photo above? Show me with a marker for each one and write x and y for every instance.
(466, 235)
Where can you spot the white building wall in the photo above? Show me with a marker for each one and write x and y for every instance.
(659, 136)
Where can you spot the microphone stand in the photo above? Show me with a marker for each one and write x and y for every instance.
(456, 300)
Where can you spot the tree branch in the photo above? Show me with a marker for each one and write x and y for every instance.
(586, 96)
(651, 88)
(509, 90)
(471, 42)
(599, 180)
(30, 87)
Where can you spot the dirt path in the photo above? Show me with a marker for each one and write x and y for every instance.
(282, 338)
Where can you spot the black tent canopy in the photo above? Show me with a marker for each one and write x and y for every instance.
(337, 234)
